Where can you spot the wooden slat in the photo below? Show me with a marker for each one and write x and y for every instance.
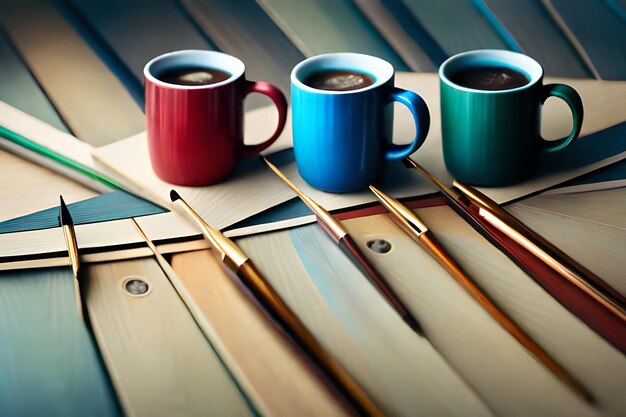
(48, 362)
(96, 107)
(37, 187)
(456, 25)
(399, 36)
(509, 379)
(318, 27)
(19, 89)
(242, 28)
(289, 387)
(159, 360)
(600, 33)
(400, 370)
(539, 36)
(138, 31)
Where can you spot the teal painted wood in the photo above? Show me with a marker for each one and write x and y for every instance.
(539, 36)
(456, 25)
(134, 32)
(110, 206)
(241, 28)
(601, 33)
(48, 363)
(323, 26)
(19, 89)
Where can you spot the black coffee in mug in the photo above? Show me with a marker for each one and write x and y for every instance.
(193, 75)
(338, 80)
(489, 78)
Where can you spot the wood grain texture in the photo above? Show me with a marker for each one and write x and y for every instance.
(48, 361)
(463, 334)
(600, 248)
(456, 25)
(290, 386)
(160, 362)
(539, 36)
(396, 35)
(20, 89)
(319, 27)
(251, 189)
(140, 30)
(29, 187)
(400, 370)
(243, 29)
(91, 100)
(600, 33)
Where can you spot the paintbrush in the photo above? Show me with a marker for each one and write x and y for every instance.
(474, 203)
(340, 236)
(413, 226)
(235, 261)
(66, 222)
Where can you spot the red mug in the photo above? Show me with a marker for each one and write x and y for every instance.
(195, 132)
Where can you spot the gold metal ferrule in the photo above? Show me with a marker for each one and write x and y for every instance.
(402, 215)
(332, 225)
(229, 253)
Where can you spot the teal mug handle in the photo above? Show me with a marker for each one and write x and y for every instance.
(421, 116)
(571, 97)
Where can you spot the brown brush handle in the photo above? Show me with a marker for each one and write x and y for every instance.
(350, 248)
(436, 250)
(588, 278)
(259, 286)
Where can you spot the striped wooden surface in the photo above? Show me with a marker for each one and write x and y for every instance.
(243, 29)
(328, 34)
(94, 104)
(402, 372)
(160, 362)
(19, 87)
(538, 35)
(48, 360)
(471, 341)
(291, 386)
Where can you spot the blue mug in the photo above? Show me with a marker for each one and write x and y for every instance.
(342, 139)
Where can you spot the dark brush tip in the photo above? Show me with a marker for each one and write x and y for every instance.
(65, 218)
(174, 196)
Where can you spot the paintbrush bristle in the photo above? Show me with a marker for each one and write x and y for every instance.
(174, 196)
(65, 218)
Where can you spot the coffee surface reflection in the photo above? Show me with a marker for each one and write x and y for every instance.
(490, 78)
(193, 76)
(338, 80)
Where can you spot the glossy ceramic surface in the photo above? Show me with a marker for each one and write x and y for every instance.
(195, 133)
(492, 138)
(342, 139)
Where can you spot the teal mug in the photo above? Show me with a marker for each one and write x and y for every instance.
(491, 116)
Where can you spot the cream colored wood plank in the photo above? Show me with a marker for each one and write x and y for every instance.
(600, 248)
(504, 374)
(290, 386)
(91, 100)
(250, 190)
(28, 188)
(400, 370)
(160, 362)
(605, 207)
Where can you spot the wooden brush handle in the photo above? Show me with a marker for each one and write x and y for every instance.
(255, 281)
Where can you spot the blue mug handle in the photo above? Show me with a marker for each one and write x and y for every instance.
(421, 116)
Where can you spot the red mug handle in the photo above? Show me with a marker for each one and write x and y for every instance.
(265, 88)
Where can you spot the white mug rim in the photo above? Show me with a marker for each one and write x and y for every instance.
(235, 67)
(518, 61)
(344, 61)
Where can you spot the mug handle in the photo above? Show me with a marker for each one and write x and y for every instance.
(571, 97)
(421, 116)
(267, 89)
